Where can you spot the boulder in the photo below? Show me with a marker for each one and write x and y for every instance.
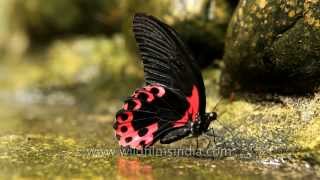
(273, 46)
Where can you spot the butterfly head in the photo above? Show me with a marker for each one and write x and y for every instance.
(211, 116)
(208, 118)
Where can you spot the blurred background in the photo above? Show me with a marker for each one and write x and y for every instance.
(58, 55)
(66, 66)
(87, 48)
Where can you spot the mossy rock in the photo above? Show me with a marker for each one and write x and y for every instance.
(201, 24)
(268, 125)
(274, 45)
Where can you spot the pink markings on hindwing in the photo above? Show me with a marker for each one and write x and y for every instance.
(149, 95)
(136, 107)
(140, 138)
(125, 117)
(151, 92)
(159, 88)
(125, 132)
(136, 142)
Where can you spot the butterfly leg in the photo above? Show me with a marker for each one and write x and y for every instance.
(213, 135)
(175, 135)
(197, 143)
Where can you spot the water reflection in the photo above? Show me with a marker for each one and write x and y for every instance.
(133, 169)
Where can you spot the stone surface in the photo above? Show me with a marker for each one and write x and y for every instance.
(274, 45)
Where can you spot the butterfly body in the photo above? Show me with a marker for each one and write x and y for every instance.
(172, 103)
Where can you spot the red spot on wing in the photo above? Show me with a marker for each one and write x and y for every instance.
(193, 109)
(194, 103)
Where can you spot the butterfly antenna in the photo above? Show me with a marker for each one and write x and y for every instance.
(211, 129)
(224, 127)
(218, 103)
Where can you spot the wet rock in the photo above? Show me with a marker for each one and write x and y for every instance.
(273, 45)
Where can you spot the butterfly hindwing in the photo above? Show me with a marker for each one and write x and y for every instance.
(149, 113)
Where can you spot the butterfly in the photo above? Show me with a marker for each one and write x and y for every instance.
(172, 103)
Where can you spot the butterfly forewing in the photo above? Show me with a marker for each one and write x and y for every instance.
(165, 58)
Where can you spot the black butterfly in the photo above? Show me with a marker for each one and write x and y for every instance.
(172, 104)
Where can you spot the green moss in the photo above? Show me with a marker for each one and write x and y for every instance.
(48, 156)
(309, 137)
(285, 124)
